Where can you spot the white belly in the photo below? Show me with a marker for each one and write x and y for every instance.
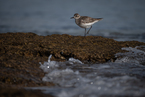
(87, 25)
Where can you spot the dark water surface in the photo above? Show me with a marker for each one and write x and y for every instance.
(123, 19)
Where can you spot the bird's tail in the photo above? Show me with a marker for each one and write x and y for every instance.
(99, 19)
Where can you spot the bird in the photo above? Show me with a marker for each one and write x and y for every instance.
(85, 21)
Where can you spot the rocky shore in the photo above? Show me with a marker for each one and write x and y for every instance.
(20, 54)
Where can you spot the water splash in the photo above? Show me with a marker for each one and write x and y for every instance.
(124, 77)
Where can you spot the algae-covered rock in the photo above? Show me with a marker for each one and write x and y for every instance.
(20, 54)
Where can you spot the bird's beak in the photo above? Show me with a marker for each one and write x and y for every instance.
(71, 17)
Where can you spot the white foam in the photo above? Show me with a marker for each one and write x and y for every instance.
(105, 86)
(62, 77)
(134, 56)
(47, 66)
(119, 78)
(74, 61)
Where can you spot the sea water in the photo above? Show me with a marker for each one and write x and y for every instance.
(122, 19)
(124, 77)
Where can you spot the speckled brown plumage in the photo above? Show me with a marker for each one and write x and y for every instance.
(85, 21)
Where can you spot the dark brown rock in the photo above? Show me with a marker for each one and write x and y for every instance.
(20, 54)
(11, 92)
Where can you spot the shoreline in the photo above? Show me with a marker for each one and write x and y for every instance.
(20, 54)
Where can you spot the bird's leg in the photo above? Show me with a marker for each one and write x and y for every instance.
(85, 32)
(89, 30)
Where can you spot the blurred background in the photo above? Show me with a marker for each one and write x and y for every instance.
(123, 20)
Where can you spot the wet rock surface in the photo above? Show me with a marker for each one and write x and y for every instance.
(20, 54)
(11, 92)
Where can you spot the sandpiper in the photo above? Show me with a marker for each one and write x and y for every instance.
(85, 21)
